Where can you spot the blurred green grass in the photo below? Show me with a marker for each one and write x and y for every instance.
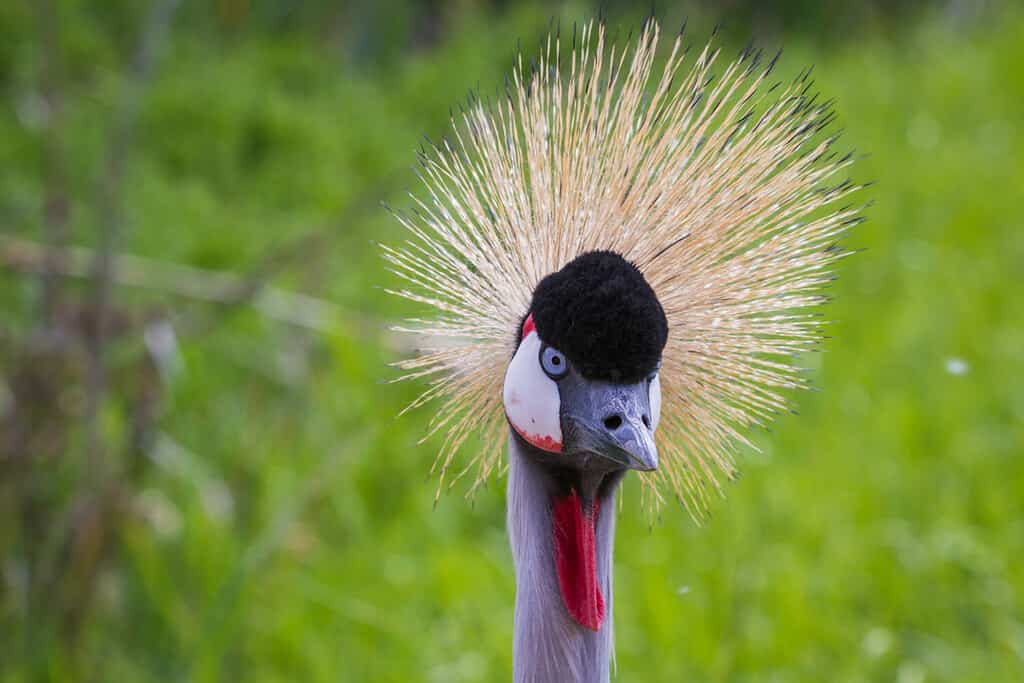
(286, 529)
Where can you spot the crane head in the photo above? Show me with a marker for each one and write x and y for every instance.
(583, 384)
(718, 182)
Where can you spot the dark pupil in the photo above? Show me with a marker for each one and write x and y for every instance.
(555, 360)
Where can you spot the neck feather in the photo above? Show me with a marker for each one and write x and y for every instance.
(549, 646)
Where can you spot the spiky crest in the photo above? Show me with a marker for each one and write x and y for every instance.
(721, 190)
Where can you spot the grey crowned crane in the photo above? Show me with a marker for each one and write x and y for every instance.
(615, 250)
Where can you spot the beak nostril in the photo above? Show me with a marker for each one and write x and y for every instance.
(647, 421)
(613, 422)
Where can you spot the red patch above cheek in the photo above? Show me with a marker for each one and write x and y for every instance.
(528, 326)
(543, 442)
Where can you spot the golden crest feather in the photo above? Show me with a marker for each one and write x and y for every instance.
(723, 191)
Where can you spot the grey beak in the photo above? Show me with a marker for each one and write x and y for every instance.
(611, 421)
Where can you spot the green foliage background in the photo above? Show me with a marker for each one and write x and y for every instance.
(279, 523)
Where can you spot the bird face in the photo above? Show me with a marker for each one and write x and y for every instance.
(585, 423)
(583, 384)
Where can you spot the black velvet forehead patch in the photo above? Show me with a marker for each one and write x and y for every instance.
(600, 312)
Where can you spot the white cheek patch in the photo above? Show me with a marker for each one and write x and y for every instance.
(654, 395)
(531, 398)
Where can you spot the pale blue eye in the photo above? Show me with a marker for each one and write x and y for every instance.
(553, 362)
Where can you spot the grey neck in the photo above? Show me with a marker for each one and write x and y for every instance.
(549, 646)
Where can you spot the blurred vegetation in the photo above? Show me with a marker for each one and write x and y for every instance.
(201, 472)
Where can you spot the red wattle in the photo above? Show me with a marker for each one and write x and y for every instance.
(575, 560)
